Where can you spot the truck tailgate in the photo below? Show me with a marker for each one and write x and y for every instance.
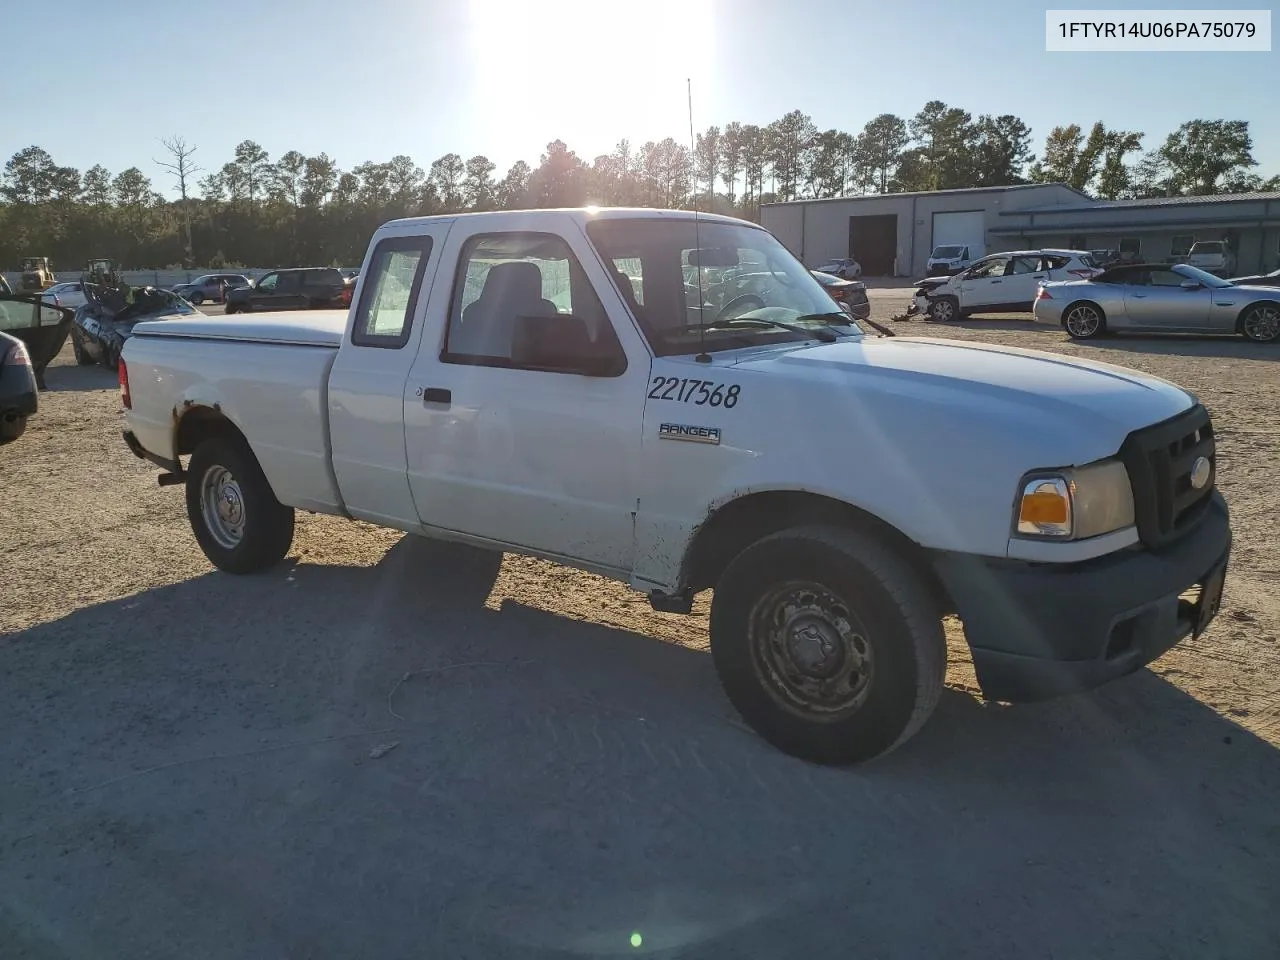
(272, 384)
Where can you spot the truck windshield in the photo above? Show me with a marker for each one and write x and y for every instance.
(946, 253)
(680, 280)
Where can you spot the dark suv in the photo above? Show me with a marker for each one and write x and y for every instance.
(300, 288)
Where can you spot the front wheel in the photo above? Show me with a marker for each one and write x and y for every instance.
(944, 309)
(1083, 321)
(1261, 323)
(828, 644)
(236, 518)
(197, 299)
(82, 355)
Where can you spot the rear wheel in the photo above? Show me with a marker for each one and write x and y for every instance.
(1261, 323)
(1083, 321)
(236, 518)
(828, 644)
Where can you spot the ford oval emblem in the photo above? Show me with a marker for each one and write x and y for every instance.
(1200, 472)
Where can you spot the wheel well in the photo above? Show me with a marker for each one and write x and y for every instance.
(200, 423)
(741, 522)
(1249, 306)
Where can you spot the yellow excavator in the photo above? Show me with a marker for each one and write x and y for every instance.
(37, 274)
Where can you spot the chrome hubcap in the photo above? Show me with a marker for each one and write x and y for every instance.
(222, 506)
(1262, 323)
(811, 651)
(1083, 322)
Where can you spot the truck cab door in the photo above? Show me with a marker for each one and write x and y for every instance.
(368, 380)
(525, 448)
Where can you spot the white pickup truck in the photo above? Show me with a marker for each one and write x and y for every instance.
(561, 384)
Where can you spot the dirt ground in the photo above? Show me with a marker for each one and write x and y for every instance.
(357, 755)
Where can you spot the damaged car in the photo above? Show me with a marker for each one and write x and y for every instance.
(106, 321)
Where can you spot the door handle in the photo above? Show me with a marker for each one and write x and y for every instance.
(997, 281)
(436, 395)
(1138, 296)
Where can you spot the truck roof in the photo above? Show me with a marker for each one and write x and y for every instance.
(580, 214)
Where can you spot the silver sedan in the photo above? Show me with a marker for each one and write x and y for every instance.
(1159, 298)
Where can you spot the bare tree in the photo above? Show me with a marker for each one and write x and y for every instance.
(182, 167)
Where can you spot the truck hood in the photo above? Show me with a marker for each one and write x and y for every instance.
(984, 380)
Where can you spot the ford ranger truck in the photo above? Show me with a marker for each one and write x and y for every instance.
(575, 385)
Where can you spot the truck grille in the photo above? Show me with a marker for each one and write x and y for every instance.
(1160, 460)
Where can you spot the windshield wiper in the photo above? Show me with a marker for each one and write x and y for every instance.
(826, 336)
(842, 319)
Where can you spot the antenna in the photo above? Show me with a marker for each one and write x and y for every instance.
(703, 356)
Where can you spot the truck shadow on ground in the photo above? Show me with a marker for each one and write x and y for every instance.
(204, 769)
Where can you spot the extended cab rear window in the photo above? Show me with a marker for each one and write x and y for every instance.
(384, 316)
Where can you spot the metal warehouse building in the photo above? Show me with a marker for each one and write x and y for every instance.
(893, 234)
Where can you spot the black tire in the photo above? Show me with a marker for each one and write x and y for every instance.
(944, 309)
(265, 524)
(1260, 323)
(82, 356)
(196, 299)
(12, 428)
(1076, 322)
(230, 309)
(901, 633)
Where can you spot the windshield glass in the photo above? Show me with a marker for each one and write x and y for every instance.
(678, 277)
(946, 253)
(1195, 273)
(1214, 246)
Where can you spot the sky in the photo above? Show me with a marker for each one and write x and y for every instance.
(369, 80)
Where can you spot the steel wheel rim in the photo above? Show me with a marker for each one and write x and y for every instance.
(811, 651)
(1262, 323)
(222, 507)
(1083, 321)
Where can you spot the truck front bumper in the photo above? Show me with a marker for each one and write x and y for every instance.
(1042, 630)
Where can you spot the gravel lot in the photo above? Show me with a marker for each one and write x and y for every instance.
(198, 765)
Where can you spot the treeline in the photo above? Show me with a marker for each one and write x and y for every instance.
(296, 209)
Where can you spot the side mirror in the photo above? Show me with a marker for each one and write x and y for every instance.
(561, 344)
(1191, 285)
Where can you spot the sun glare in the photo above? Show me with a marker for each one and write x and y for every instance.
(586, 71)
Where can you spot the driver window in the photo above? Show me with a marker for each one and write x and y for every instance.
(269, 282)
(1166, 278)
(992, 268)
(507, 283)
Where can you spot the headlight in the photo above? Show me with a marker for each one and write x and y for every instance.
(1075, 504)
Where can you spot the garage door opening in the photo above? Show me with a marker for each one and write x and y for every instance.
(873, 242)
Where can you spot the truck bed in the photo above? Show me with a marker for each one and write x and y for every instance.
(267, 373)
(302, 327)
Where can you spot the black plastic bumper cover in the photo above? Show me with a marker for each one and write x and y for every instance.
(1042, 630)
